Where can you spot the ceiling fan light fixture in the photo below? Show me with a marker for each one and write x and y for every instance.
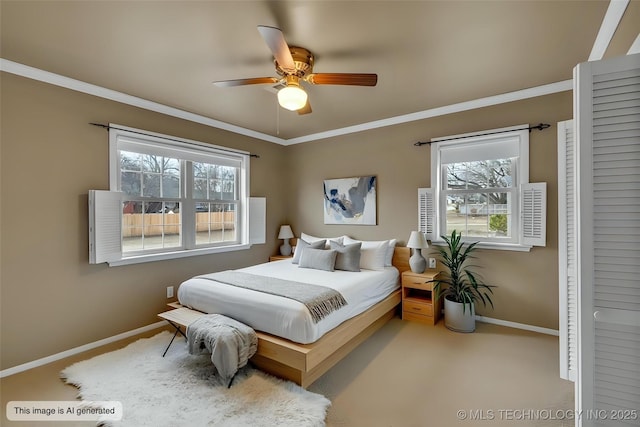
(293, 64)
(292, 97)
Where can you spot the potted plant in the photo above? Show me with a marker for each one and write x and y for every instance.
(462, 286)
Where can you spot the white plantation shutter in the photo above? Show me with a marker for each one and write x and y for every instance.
(426, 212)
(257, 220)
(533, 209)
(105, 226)
(567, 250)
(608, 135)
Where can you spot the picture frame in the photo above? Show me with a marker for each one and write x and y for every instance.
(350, 200)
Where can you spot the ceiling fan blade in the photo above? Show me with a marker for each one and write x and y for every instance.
(342, 79)
(306, 109)
(279, 47)
(242, 82)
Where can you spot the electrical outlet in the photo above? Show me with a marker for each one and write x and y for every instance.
(169, 291)
(432, 263)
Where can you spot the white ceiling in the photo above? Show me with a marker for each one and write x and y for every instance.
(428, 54)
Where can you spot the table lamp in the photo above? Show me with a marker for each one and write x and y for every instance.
(286, 234)
(417, 262)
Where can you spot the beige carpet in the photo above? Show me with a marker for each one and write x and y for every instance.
(406, 375)
(418, 375)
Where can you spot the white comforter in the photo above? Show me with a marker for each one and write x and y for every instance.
(282, 316)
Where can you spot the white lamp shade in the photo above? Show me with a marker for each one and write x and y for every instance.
(292, 98)
(417, 240)
(285, 232)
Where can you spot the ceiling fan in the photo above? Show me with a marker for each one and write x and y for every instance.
(293, 65)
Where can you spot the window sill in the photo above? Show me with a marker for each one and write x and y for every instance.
(494, 245)
(138, 259)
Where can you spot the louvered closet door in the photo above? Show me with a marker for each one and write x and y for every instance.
(608, 135)
(567, 250)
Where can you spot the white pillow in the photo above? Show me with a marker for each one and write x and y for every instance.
(388, 262)
(390, 248)
(310, 239)
(372, 254)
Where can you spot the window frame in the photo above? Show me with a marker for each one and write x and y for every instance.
(492, 139)
(188, 152)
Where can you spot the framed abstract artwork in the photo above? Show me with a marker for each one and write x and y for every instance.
(350, 200)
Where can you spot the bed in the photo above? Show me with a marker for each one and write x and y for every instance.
(291, 344)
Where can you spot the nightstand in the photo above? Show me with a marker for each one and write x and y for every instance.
(418, 297)
(279, 257)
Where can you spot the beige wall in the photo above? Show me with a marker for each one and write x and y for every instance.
(53, 300)
(528, 282)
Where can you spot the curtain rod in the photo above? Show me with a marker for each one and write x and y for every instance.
(540, 126)
(107, 127)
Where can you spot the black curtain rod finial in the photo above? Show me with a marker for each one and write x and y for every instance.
(540, 126)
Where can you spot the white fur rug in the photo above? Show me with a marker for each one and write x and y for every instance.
(182, 390)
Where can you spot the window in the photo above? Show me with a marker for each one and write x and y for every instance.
(176, 197)
(477, 189)
(477, 198)
(151, 206)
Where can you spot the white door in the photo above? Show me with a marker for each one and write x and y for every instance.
(608, 135)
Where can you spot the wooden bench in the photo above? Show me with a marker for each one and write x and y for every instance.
(179, 317)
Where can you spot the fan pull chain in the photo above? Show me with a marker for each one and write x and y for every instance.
(277, 118)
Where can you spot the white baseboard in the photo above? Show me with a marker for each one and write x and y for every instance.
(77, 350)
(518, 325)
(91, 346)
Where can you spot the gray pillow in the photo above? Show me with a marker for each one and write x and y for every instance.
(302, 245)
(348, 258)
(319, 259)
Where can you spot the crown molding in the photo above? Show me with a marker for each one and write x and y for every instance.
(609, 25)
(91, 89)
(533, 92)
(635, 47)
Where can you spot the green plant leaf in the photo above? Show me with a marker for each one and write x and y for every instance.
(458, 282)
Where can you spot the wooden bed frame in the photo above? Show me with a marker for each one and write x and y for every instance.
(305, 363)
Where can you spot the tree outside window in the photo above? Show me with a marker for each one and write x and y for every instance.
(478, 196)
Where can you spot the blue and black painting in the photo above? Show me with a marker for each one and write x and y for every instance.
(352, 203)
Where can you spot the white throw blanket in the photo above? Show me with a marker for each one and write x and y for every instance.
(230, 342)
